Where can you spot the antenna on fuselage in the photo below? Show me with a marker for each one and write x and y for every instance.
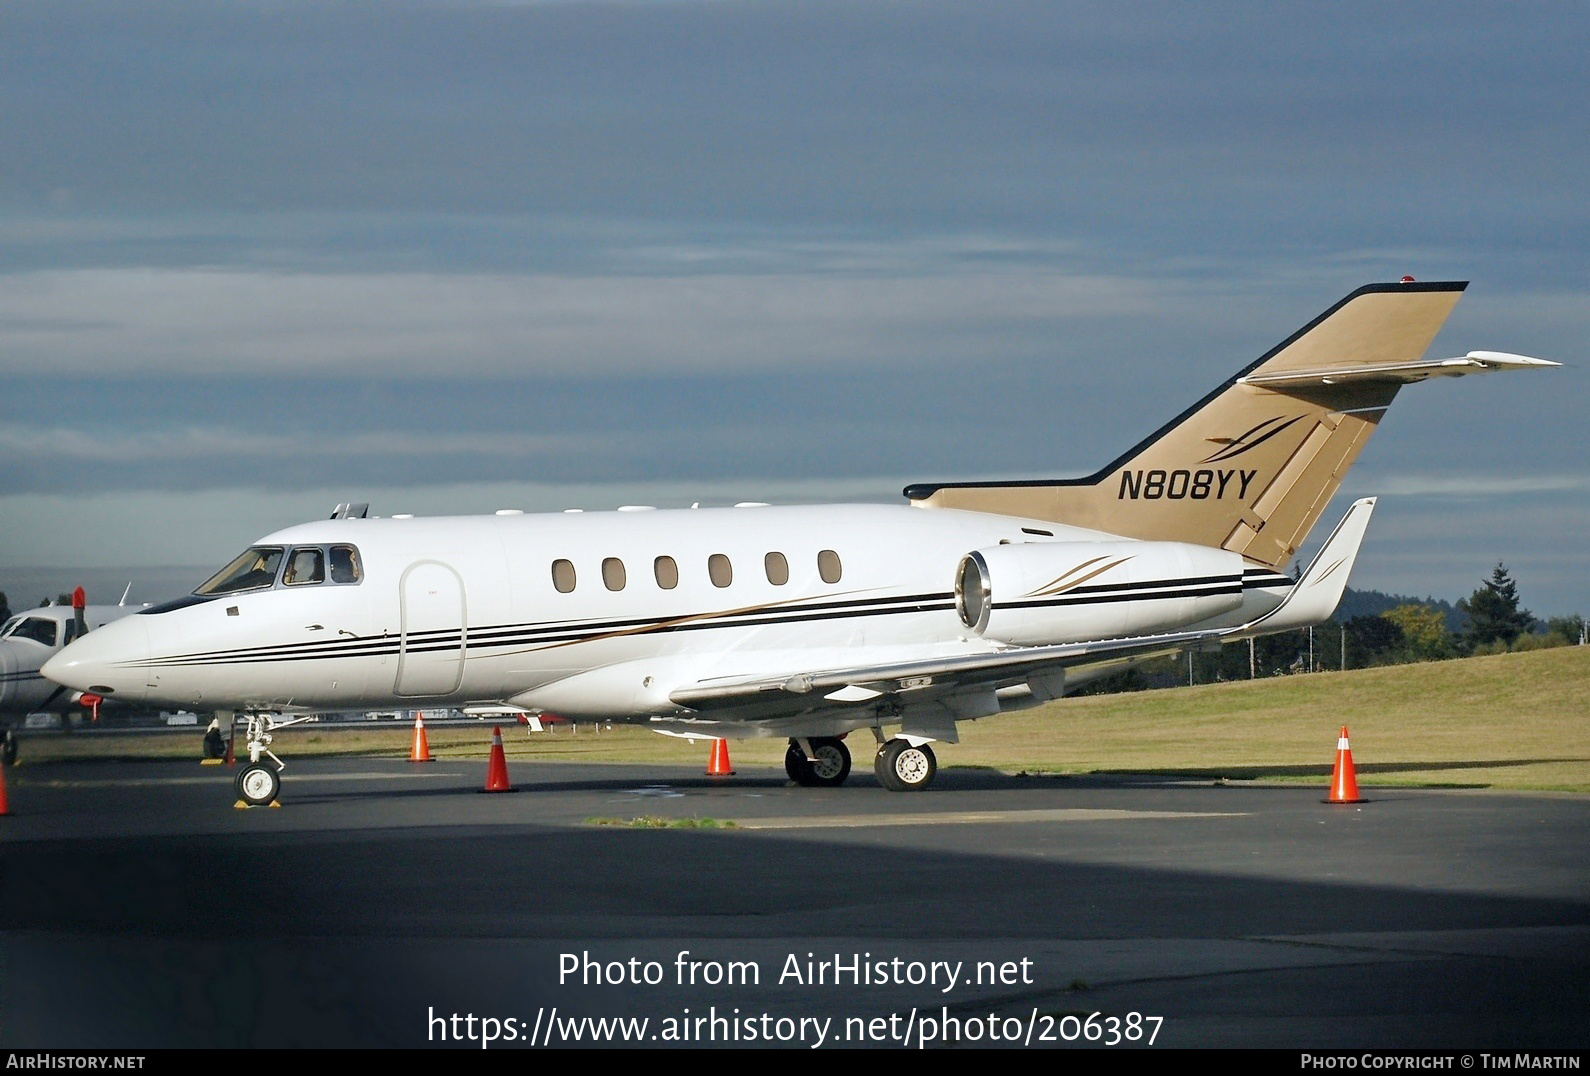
(124, 594)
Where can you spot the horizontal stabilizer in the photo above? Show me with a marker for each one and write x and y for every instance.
(1401, 373)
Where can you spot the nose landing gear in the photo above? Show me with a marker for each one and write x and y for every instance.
(258, 783)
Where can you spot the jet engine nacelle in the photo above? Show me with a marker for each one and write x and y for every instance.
(1071, 592)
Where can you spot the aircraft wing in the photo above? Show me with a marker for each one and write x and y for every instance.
(1313, 599)
(863, 683)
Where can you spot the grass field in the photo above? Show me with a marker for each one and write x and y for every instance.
(1512, 721)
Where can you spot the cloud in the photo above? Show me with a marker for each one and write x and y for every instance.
(152, 321)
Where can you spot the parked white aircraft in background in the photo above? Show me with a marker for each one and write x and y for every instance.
(32, 637)
(809, 622)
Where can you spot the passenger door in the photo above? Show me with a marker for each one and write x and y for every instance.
(435, 630)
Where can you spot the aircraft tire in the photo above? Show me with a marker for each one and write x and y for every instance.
(830, 769)
(797, 766)
(214, 745)
(903, 768)
(833, 762)
(8, 749)
(257, 784)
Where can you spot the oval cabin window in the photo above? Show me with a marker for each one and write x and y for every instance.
(777, 569)
(828, 566)
(720, 570)
(563, 576)
(613, 573)
(667, 572)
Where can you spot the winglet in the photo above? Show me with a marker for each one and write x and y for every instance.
(1319, 592)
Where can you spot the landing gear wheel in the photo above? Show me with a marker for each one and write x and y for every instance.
(257, 785)
(903, 768)
(832, 763)
(828, 769)
(8, 750)
(795, 764)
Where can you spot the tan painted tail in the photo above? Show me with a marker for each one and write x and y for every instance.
(1251, 466)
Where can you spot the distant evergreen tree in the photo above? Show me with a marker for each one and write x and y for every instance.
(5, 608)
(1493, 611)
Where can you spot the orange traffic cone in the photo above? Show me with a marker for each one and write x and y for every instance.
(1344, 782)
(421, 751)
(718, 762)
(497, 767)
(5, 804)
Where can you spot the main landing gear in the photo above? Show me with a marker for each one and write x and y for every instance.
(824, 762)
(904, 767)
(258, 783)
(818, 762)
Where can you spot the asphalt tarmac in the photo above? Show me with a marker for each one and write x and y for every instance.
(140, 909)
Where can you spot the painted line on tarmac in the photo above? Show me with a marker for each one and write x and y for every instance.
(951, 818)
(154, 782)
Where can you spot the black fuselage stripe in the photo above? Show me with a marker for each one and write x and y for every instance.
(659, 627)
(531, 632)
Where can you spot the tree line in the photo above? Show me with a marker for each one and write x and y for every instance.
(1491, 620)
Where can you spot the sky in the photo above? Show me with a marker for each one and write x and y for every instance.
(260, 258)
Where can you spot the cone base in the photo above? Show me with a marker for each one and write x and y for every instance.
(1343, 803)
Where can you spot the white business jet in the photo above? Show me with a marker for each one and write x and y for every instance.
(27, 641)
(809, 622)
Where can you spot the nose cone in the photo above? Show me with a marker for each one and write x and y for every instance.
(106, 661)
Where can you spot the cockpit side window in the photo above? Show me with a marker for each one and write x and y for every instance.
(305, 566)
(345, 564)
(39, 629)
(254, 569)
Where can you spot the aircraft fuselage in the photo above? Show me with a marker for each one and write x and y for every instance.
(603, 614)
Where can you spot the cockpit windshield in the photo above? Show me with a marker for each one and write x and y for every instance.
(38, 628)
(253, 570)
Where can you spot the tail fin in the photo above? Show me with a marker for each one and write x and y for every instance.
(1251, 466)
